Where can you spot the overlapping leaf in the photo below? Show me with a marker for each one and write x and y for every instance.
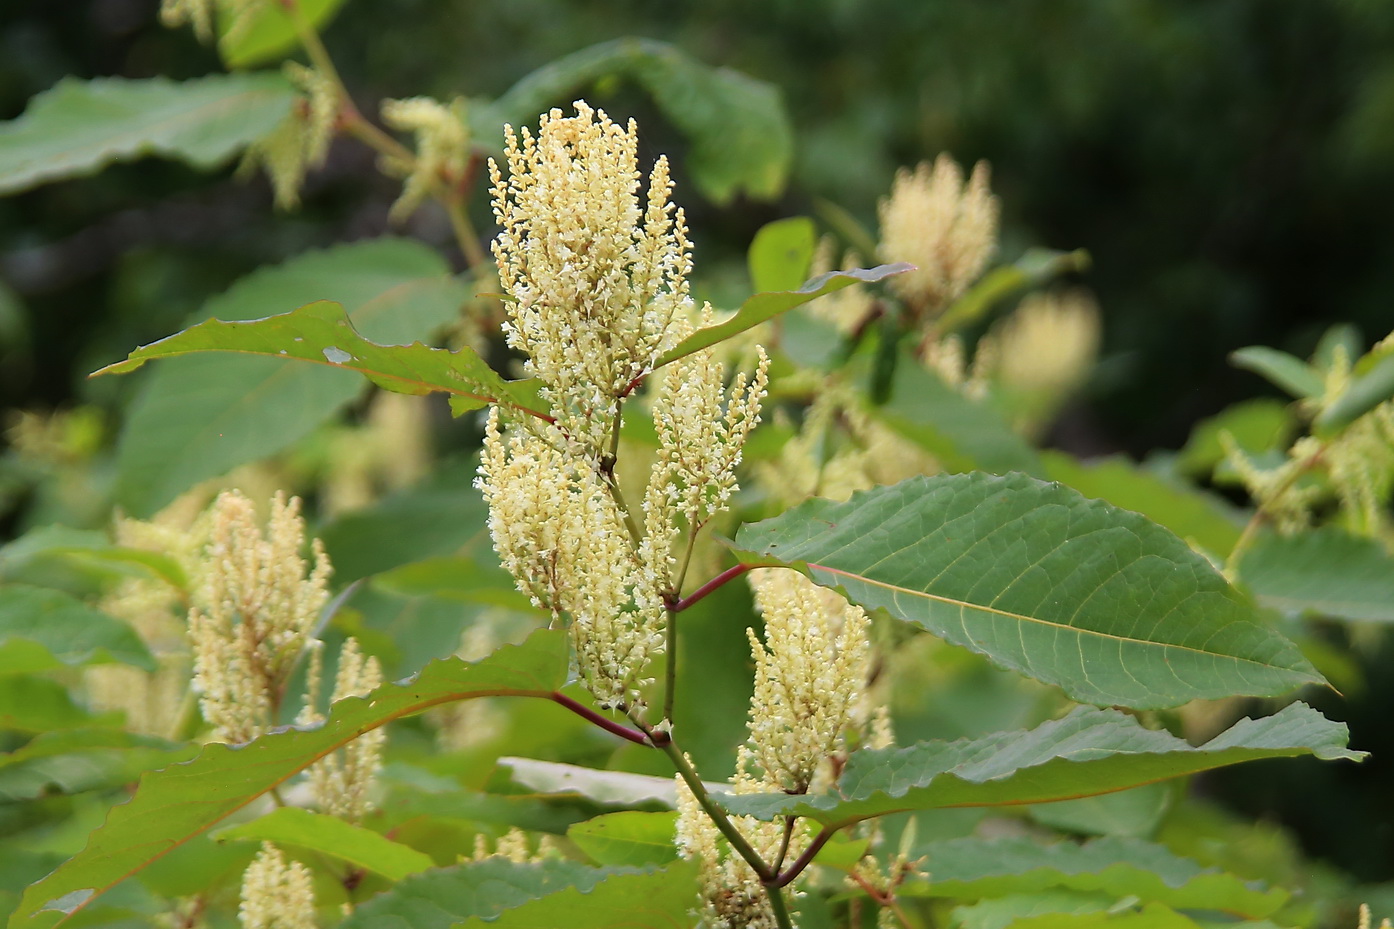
(1090, 751)
(970, 868)
(175, 804)
(197, 418)
(78, 127)
(335, 837)
(1073, 592)
(1324, 571)
(266, 31)
(42, 629)
(74, 760)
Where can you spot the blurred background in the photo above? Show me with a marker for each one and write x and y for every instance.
(1227, 166)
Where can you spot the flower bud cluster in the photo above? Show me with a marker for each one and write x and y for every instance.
(342, 783)
(276, 893)
(442, 147)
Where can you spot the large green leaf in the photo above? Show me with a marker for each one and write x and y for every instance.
(633, 838)
(174, 805)
(1099, 601)
(1090, 751)
(197, 418)
(781, 253)
(971, 868)
(764, 307)
(740, 134)
(644, 900)
(78, 127)
(332, 836)
(1190, 513)
(963, 434)
(269, 32)
(29, 703)
(1323, 571)
(73, 760)
(42, 629)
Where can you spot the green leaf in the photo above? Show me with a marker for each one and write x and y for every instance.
(781, 253)
(1190, 513)
(764, 307)
(74, 760)
(197, 418)
(37, 704)
(739, 131)
(268, 34)
(1323, 571)
(613, 788)
(972, 868)
(1286, 371)
(964, 434)
(1034, 268)
(42, 629)
(1099, 601)
(1255, 425)
(629, 838)
(1366, 392)
(649, 900)
(1090, 751)
(78, 127)
(1063, 909)
(332, 836)
(174, 805)
(1136, 812)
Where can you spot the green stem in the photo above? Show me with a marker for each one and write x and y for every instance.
(671, 654)
(1246, 538)
(779, 907)
(612, 481)
(465, 236)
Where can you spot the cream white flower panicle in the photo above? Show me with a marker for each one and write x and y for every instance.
(946, 228)
(809, 676)
(258, 604)
(343, 782)
(276, 893)
(594, 281)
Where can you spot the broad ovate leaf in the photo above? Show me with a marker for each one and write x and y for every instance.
(78, 127)
(1097, 600)
(330, 835)
(42, 629)
(174, 805)
(1090, 751)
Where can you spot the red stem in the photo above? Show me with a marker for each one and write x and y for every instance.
(804, 860)
(609, 725)
(715, 583)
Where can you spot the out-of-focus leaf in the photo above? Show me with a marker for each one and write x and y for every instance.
(1190, 513)
(613, 788)
(455, 578)
(1286, 371)
(1090, 751)
(1134, 813)
(37, 704)
(971, 868)
(781, 253)
(1366, 392)
(441, 516)
(269, 33)
(73, 760)
(1066, 909)
(644, 900)
(174, 805)
(1323, 571)
(78, 127)
(633, 838)
(1077, 593)
(197, 418)
(1255, 425)
(332, 836)
(741, 138)
(963, 434)
(1034, 268)
(42, 629)
(763, 307)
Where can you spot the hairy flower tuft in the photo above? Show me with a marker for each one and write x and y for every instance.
(343, 782)
(442, 147)
(276, 893)
(946, 228)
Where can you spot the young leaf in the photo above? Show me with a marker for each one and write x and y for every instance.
(332, 836)
(1324, 571)
(1290, 373)
(740, 134)
(1034, 268)
(174, 805)
(269, 32)
(1366, 392)
(41, 629)
(971, 868)
(1099, 601)
(78, 127)
(1190, 513)
(1090, 751)
(781, 253)
(197, 418)
(763, 307)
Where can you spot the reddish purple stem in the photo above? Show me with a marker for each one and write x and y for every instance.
(715, 583)
(609, 725)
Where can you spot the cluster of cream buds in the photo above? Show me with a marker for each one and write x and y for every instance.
(258, 604)
(597, 292)
(442, 147)
(946, 228)
(342, 783)
(276, 893)
(597, 285)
